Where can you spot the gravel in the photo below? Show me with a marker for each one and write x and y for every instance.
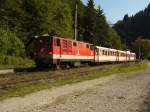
(116, 93)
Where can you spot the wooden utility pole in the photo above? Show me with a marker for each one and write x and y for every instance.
(76, 20)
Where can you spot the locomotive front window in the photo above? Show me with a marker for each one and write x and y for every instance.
(43, 41)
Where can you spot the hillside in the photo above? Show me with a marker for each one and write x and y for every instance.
(135, 26)
(26, 18)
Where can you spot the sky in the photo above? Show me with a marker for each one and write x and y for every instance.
(116, 9)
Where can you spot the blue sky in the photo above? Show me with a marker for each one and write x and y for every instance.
(116, 9)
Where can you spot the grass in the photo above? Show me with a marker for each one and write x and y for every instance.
(62, 77)
(8, 66)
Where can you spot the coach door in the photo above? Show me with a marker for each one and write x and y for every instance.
(96, 55)
(117, 55)
(57, 50)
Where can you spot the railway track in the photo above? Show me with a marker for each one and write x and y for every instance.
(44, 75)
(53, 75)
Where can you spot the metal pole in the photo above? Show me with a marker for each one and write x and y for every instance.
(76, 21)
(139, 52)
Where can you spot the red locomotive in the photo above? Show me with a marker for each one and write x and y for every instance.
(56, 51)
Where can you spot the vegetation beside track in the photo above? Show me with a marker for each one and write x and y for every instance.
(9, 62)
(20, 84)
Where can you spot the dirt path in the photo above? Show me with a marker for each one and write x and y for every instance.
(116, 93)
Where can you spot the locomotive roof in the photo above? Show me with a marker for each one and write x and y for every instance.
(72, 40)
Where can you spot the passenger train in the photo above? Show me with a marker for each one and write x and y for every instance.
(58, 51)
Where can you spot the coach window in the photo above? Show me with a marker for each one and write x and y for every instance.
(74, 44)
(58, 42)
(106, 53)
(110, 53)
(100, 52)
(103, 52)
(114, 53)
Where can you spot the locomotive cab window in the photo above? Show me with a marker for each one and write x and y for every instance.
(43, 41)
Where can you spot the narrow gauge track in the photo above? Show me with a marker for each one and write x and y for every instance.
(56, 75)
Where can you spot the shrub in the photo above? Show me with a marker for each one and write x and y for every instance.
(16, 61)
(10, 44)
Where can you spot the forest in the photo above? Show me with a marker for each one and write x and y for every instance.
(20, 20)
(135, 32)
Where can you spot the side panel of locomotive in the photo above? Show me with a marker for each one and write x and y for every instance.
(66, 50)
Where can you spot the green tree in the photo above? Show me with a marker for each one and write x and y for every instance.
(96, 27)
(130, 28)
(101, 29)
(10, 44)
(114, 39)
(89, 22)
(62, 21)
(34, 17)
(49, 16)
(142, 48)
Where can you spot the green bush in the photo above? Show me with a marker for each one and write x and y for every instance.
(10, 44)
(13, 62)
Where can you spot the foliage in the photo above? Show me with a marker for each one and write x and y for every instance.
(130, 28)
(15, 62)
(27, 18)
(34, 17)
(10, 44)
(114, 40)
(96, 28)
(142, 48)
(62, 20)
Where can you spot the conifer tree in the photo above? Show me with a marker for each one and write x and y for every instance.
(89, 22)
(130, 28)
